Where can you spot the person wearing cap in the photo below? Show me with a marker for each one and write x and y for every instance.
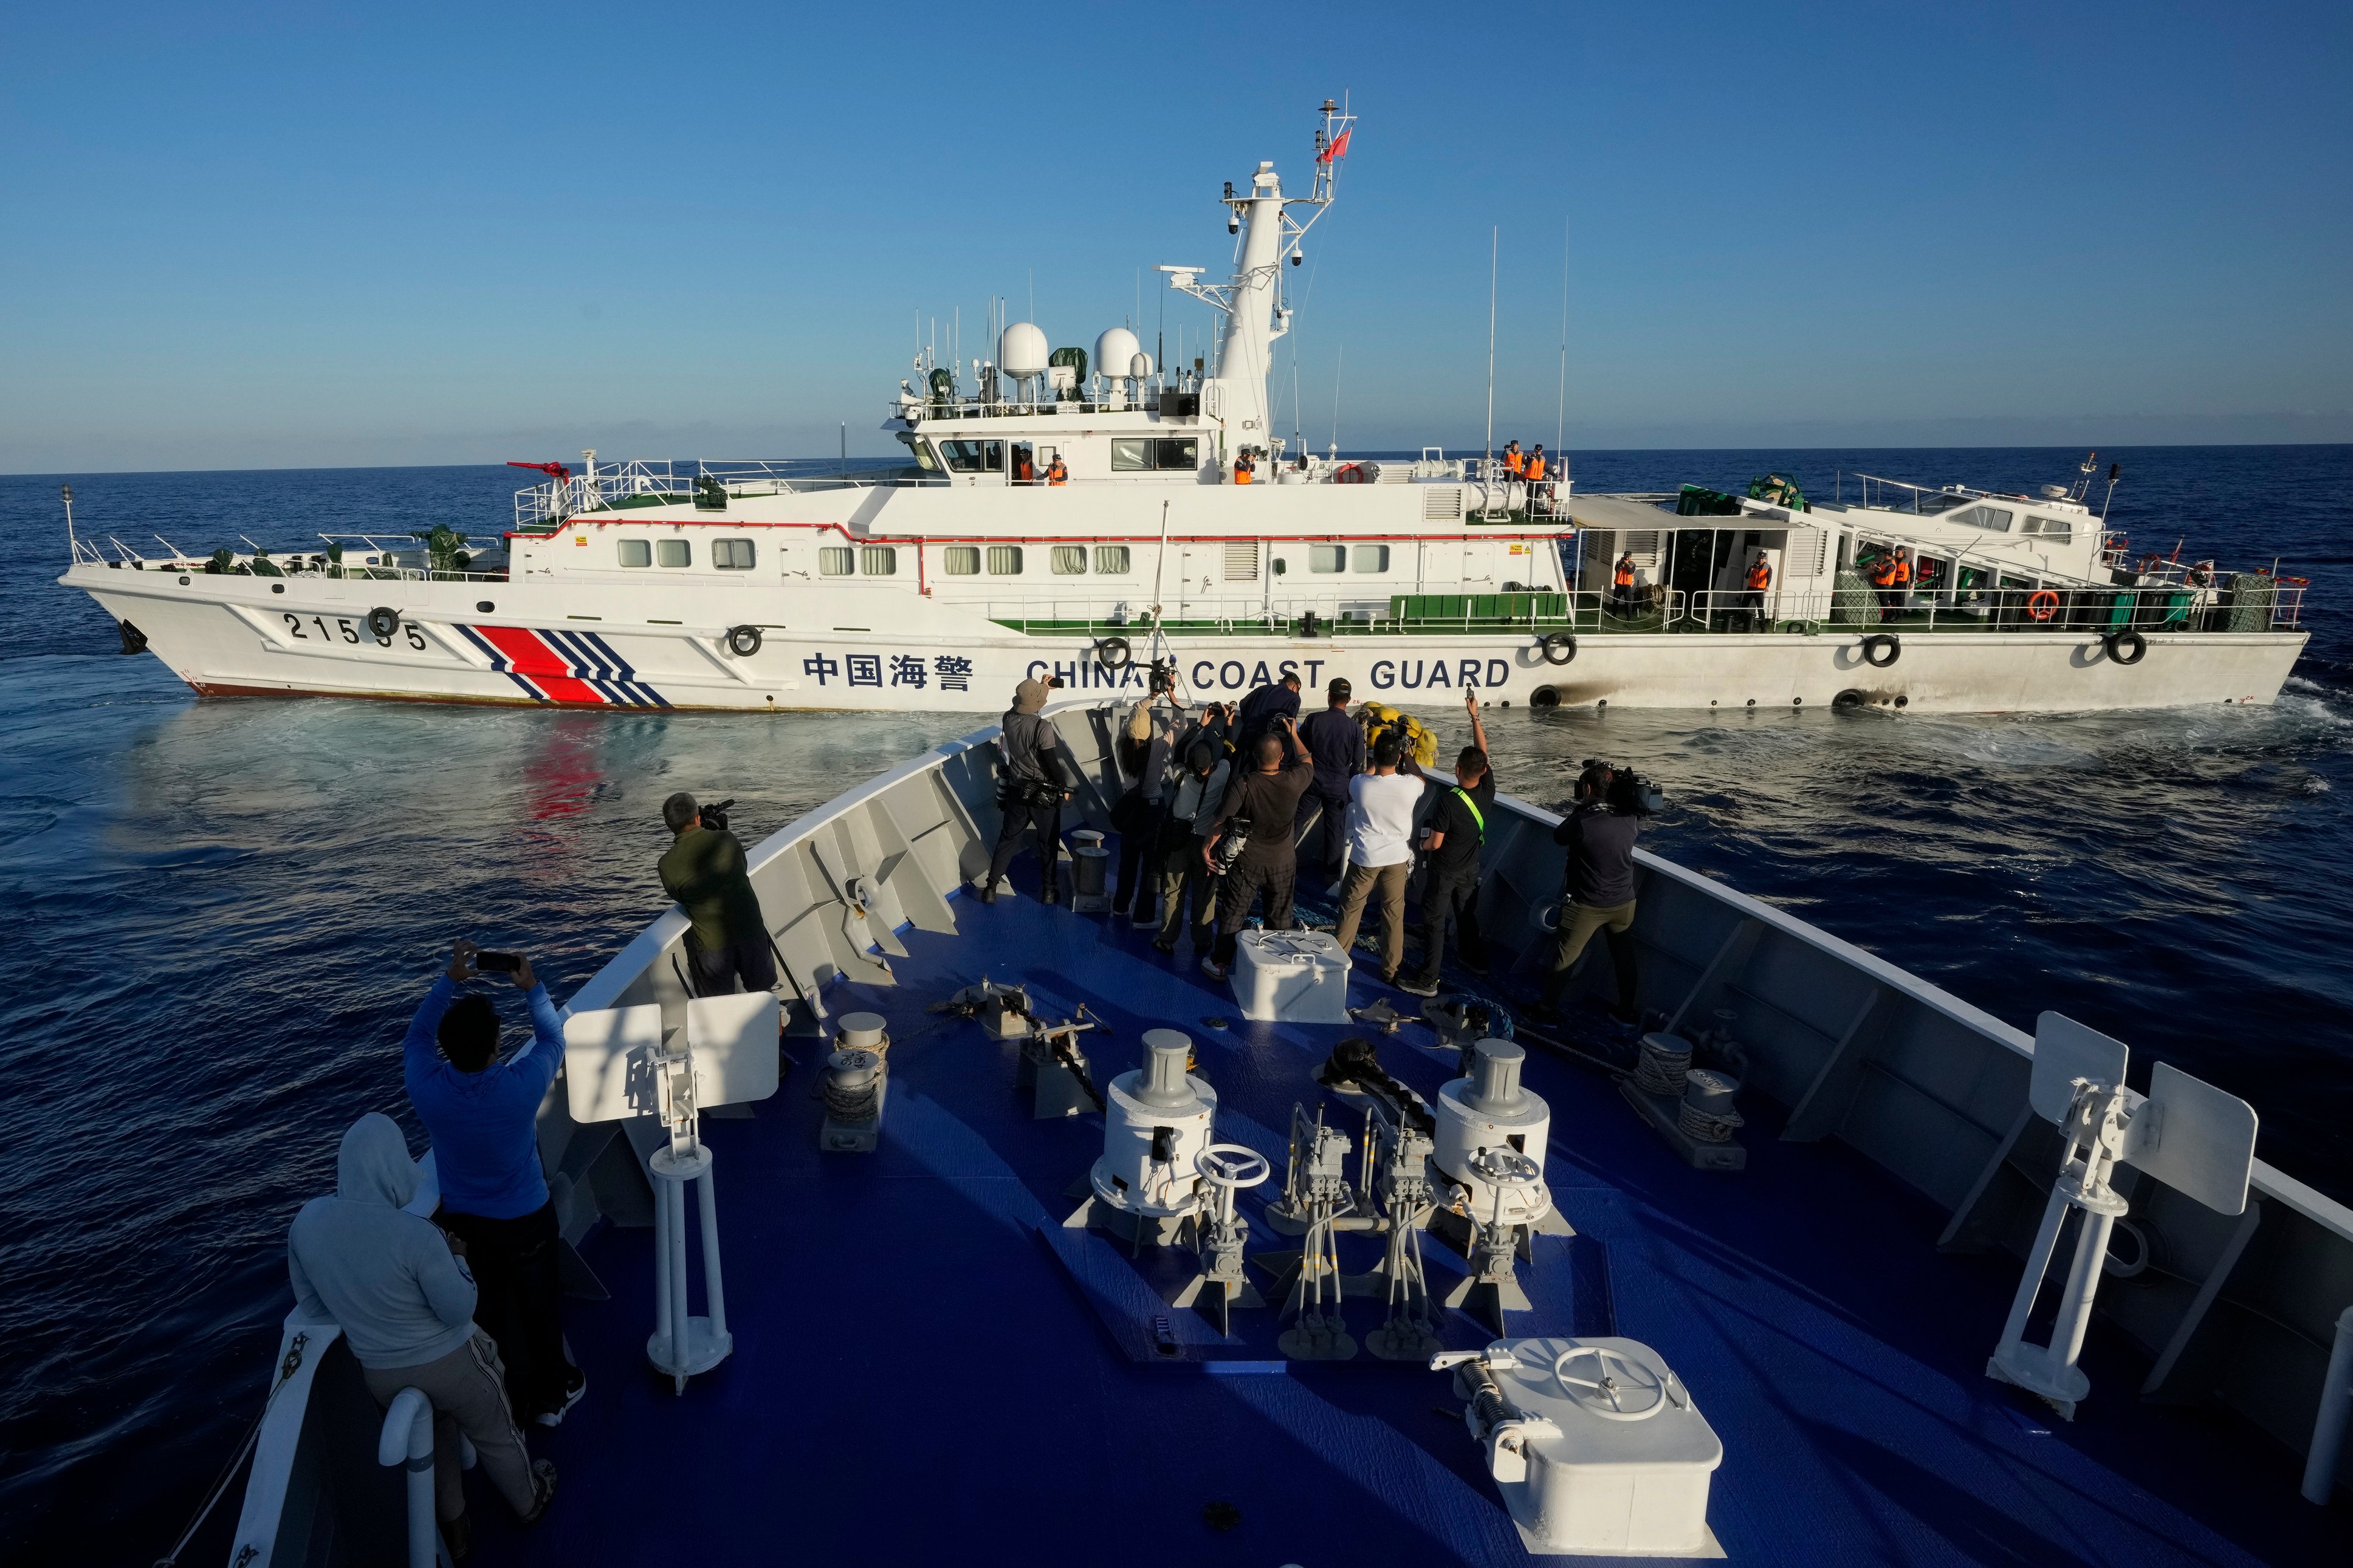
(705, 870)
(1030, 791)
(1337, 741)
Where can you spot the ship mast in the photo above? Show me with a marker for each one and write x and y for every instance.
(1253, 299)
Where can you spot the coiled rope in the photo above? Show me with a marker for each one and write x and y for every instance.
(1662, 1069)
(853, 1086)
(1703, 1127)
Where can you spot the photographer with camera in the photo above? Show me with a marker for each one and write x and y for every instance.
(1030, 791)
(704, 869)
(1599, 833)
(1258, 810)
(1143, 749)
(482, 1115)
(1195, 787)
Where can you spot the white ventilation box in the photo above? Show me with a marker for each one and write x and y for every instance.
(1290, 977)
(1616, 1459)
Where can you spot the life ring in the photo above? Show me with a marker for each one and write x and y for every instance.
(1113, 653)
(1878, 643)
(1558, 648)
(384, 622)
(1349, 474)
(2126, 647)
(742, 641)
(2042, 604)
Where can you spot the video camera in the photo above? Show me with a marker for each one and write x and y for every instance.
(1163, 678)
(1625, 792)
(714, 815)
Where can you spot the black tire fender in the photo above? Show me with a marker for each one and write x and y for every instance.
(384, 622)
(1544, 697)
(2127, 646)
(1878, 643)
(1849, 698)
(1114, 653)
(1558, 648)
(743, 641)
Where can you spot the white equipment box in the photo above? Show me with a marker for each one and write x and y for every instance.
(1291, 976)
(609, 1055)
(1613, 1460)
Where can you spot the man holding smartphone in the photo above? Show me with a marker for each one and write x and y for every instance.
(482, 1114)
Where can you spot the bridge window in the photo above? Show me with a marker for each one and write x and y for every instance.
(973, 457)
(879, 560)
(1142, 455)
(637, 553)
(961, 561)
(1327, 558)
(674, 552)
(1069, 560)
(837, 561)
(2056, 530)
(1004, 560)
(1370, 558)
(732, 554)
(1111, 560)
(1992, 518)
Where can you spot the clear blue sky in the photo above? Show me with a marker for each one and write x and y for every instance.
(307, 235)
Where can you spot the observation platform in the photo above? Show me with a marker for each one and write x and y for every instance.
(929, 1368)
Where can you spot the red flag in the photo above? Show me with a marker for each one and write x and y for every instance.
(1339, 148)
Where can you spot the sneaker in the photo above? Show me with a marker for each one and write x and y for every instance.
(1213, 970)
(543, 1489)
(1415, 985)
(989, 892)
(574, 1389)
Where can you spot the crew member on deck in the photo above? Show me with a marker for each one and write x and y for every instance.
(1245, 467)
(1536, 468)
(1030, 792)
(1760, 578)
(1023, 472)
(1261, 803)
(1451, 850)
(1514, 463)
(1882, 584)
(1057, 471)
(1622, 585)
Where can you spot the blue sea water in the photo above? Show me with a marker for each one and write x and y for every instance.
(227, 908)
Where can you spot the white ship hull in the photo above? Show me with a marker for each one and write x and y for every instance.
(585, 646)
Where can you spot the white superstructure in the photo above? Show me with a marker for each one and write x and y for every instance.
(1077, 515)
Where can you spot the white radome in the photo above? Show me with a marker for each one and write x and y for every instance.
(1115, 351)
(1022, 350)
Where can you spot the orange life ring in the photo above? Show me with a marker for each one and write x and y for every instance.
(2042, 604)
(1349, 474)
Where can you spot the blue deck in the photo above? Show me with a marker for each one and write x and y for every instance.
(920, 1375)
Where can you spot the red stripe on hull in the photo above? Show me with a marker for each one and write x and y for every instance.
(223, 688)
(542, 666)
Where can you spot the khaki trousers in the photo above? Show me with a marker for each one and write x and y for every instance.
(1359, 885)
(468, 1391)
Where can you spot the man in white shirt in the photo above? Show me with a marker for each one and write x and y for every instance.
(1380, 850)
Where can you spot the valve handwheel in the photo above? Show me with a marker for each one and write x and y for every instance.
(1618, 1382)
(1233, 1165)
(1505, 1168)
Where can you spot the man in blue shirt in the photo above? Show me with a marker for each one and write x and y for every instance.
(482, 1114)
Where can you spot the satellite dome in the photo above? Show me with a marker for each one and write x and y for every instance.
(1022, 351)
(1115, 350)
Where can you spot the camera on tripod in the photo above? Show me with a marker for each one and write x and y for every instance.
(1625, 792)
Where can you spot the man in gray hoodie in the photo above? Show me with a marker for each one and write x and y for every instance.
(405, 1298)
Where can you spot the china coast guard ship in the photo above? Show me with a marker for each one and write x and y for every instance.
(1092, 518)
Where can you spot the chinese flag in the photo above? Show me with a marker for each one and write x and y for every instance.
(1339, 148)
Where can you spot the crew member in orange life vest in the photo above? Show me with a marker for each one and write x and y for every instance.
(1513, 463)
(1023, 473)
(1622, 585)
(1890, 579)
(1536, 468)
(1760, 578)
(1245, 466)
(1056, 473)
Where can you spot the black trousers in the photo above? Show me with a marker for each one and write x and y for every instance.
(1450, 900)
(716, 970)
(1274, 877)
(1332, 840)
(520, 1300)
(1018, 819)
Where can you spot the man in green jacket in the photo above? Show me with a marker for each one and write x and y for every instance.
(705, 872)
